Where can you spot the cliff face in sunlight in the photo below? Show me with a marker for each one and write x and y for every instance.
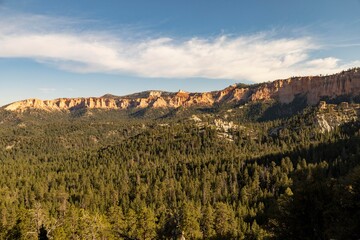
(313, 88)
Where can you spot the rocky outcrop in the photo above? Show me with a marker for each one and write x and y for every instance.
(330, 116)
(313, 88)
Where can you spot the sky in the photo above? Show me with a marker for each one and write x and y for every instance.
(83, 48)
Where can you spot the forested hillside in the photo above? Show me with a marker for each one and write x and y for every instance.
(221, 173)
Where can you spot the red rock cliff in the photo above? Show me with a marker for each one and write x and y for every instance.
(313, 88)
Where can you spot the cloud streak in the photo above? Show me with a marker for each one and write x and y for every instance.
(259, 57)
(47, 90)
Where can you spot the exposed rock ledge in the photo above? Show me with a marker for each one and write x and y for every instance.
(313, 88)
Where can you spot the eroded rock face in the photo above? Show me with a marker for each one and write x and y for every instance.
(315, 88)
(330, 116)
(284, 91)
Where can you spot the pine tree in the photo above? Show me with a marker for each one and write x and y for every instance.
(207, 222)
(146, 224)
(190, 221)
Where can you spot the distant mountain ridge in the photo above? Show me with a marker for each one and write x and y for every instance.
(312, 88)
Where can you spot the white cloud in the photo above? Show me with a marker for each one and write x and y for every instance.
(47, 90)
(257, 58)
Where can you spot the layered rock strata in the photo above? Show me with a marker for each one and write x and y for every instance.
(313, 88)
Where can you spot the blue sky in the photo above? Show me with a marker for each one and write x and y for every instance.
(51, 49)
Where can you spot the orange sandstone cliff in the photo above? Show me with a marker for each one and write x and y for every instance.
(313, 88)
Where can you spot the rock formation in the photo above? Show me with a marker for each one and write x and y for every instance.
(313, 88)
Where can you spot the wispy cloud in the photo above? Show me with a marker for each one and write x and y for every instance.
(47, 90)
(258, 57)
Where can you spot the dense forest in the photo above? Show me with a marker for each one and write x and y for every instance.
(226, 173)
